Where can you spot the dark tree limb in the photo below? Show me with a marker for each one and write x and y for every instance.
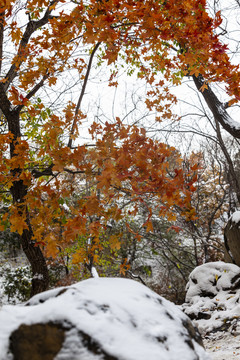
(31, 27)
(46, 172)
(82, 94)
(217, 108)
(2, 15)
(234, 177)
(221, 117)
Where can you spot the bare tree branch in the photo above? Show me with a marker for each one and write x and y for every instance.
(33, 91)
(82, 94)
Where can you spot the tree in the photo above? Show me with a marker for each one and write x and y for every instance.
(41, 40)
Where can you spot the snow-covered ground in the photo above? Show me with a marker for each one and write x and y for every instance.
(223, 346)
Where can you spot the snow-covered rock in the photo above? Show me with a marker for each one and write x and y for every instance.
(101, 318)
(213, 297)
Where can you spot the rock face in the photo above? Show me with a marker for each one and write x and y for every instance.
(41, 341)
(98, 319)
(213, 297)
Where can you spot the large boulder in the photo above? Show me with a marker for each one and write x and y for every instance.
(213, 298)
(98, 319)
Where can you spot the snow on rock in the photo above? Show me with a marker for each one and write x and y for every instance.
(100, 318)
(213, 298)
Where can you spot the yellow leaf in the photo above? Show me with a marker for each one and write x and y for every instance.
(18, 223)
(52, 80)
(51, 246)
(114, 242)
(203, 87)
(149, 226)
(79, 257)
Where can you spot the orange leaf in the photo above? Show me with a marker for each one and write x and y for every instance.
(18, 223)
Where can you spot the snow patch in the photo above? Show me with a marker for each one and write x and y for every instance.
(235, 218)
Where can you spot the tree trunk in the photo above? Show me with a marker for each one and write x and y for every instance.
(40, 276)
(232, 241)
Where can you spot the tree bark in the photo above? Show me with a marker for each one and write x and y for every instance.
(217, 108)
(221, 116)
(232, 242)
(40, 276)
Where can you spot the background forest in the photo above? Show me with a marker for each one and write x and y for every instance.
(119, 149)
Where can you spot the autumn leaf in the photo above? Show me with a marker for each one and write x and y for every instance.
(124, 267)
(203, 87)
(115, 242)
(149, 225)
(52, 247)
(52, 80)
(79, 257)
(17, 223)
